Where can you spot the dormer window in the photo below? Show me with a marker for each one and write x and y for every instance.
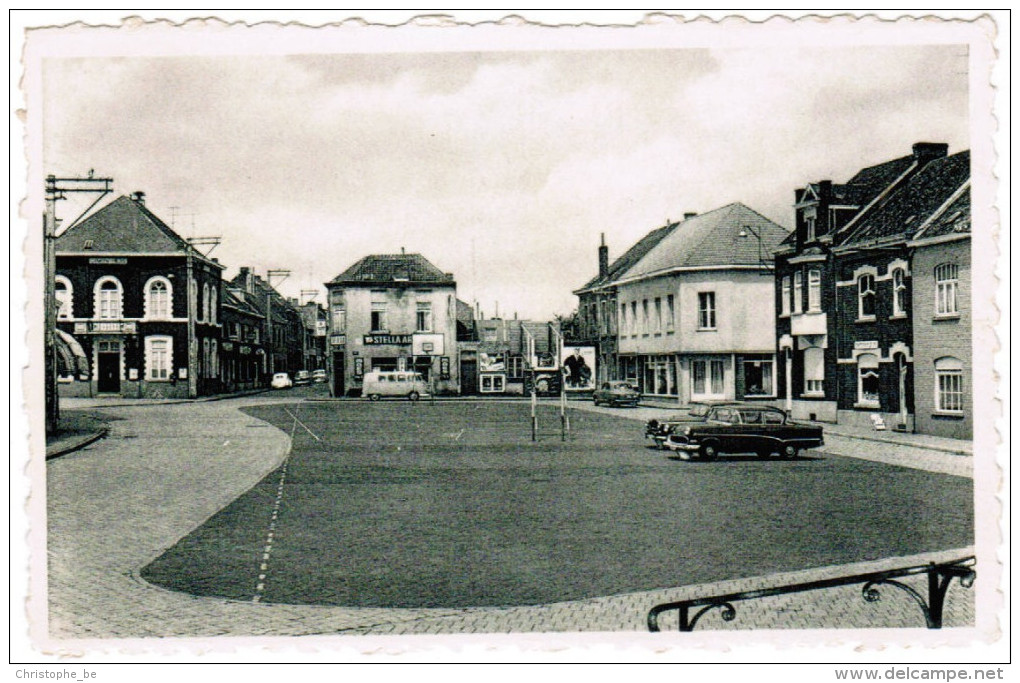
(810, 221)
(89, 244)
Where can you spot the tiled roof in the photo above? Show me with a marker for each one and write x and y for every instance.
(393, 268)
(630, 257)
(723, 237)
(905, 211)
(870, 181)
(124, 226)
(234, 297)
(954, 219)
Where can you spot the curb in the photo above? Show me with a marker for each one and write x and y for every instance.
(77, 445)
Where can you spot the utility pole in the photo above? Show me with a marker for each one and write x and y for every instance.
(57, 189)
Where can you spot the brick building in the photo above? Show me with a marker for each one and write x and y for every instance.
(283, 328)
(874, 291)
(242, 355)
(142, 304)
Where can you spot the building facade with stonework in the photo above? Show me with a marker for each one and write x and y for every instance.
(392, 312)
(142, 304)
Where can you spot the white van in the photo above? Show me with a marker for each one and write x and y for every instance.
(393, 383)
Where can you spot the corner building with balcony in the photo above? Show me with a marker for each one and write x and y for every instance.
(143, 305)
(392, 312)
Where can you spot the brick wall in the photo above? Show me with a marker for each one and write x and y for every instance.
(935, 338)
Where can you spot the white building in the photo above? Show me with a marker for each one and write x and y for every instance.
(696, 314)
(392, 312)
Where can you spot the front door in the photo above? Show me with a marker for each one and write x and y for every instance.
(338, 374)
(468, 376)
(108, 366)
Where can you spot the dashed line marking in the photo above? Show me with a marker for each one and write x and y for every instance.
(267, 549)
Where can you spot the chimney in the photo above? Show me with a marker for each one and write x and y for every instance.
(249, 283)
(138, 196)
(603, 257)
(929, 151)
(688, 215)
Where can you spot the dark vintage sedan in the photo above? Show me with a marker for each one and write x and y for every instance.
(743, 429)
(658, 429)
(616, 394)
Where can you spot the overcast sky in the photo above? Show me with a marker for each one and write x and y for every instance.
(501, 167)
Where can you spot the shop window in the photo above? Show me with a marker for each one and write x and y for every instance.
(758, 377)
(109, 300)
(158, 297)
(946, 289)
(64, 293)
(493, 384)
(158, 358)
(866, 297)
(814, 281)
(949, 385)
(814, 372)
(868, 380)
(706, 310)
(899, 293)
(708, 378)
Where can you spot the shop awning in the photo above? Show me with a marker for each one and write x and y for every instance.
(71, 358)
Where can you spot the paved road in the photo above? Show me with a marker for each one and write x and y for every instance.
(164, 470)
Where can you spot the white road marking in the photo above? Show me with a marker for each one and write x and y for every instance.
(267, 550)
(302, 424)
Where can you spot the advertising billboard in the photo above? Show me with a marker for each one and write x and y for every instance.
(578, 363)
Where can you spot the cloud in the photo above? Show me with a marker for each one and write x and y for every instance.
(501, 167)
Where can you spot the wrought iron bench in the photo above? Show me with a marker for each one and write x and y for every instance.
(939, 578)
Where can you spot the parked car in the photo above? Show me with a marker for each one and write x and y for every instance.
(319, 376)
(616, 394)
(281, 380)
(658, 429)
(302, 377)
(743, 429)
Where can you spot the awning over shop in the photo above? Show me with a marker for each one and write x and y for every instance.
(71, 358)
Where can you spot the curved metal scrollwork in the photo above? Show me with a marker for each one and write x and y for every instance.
(939, 576)
(728, 613)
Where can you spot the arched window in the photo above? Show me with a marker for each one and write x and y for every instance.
(867, 380)
(158, 299)
(64, 294)
(949, 385)
(205, 303)
(109, 299)
(214, 359)
(946, 285)
(212, 304)
(899, 302)
(866, 297)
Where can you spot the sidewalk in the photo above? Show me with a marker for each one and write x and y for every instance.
(116, 505)
(76, 430)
